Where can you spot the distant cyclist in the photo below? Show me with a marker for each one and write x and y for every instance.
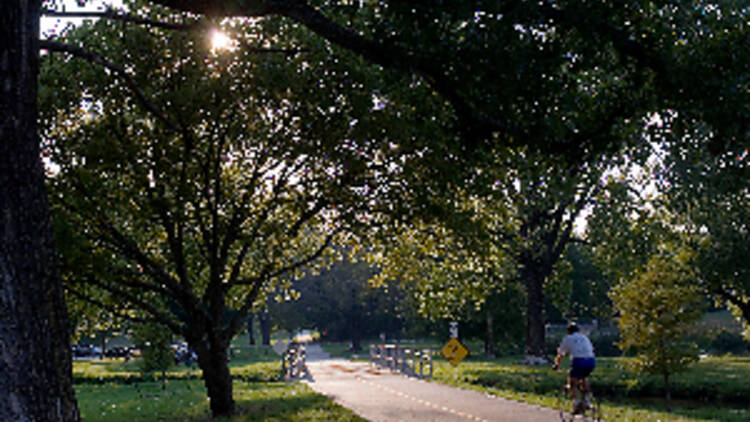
(581, 351)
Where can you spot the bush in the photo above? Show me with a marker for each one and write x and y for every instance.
(153, 341)
(606, 345)
(720, 341)
(728, 342)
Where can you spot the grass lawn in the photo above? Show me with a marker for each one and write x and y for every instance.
(186, 400)
(114, 390)
(247, 364)
(715, 389)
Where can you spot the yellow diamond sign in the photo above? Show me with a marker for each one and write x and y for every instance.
(454, 352)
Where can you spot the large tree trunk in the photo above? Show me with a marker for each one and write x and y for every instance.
(264, 318)
(35, 356)
(213, 361)
(489, 343)
(356, 336)
(104, 344)
(667, 393)
(355, 322)
(535, 334)
(250, 331)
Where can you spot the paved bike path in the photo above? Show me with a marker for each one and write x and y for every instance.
(378, 395)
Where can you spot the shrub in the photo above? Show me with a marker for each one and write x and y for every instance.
(657, 308)
(728, 342)
(153, 341)
(606, 345)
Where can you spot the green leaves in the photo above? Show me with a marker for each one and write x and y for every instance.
(655, 309)
(154, 342)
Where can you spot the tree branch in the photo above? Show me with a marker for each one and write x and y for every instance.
(109, 308)
(138, 302)
(118, 70)
(234, 323)
(306, 216)
(380, 52)
(388, 55)
(621, 40)
(256, 282)
(129, 249)
(267, 274)
(109, 14)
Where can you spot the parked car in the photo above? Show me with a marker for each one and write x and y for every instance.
(118, 352)
(82, 350)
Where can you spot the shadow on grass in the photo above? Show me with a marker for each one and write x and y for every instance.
(302, 406)
(186, 401)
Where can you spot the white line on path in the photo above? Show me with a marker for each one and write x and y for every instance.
(421, 401)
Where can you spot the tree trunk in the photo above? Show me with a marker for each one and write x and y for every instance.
(667, 393)
(535, 335)
(213, 361)
(250, 331)
(35, 356)
(489, 343)
(104, 345)
(265, 327)
(356, 341)
(354, 318)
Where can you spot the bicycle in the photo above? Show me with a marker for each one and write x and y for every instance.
(293, 364)
(583, 408)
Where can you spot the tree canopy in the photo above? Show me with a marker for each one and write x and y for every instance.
(492, 74)
(182, 192)
(659, 45)
(708, 196)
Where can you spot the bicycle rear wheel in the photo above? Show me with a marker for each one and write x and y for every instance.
(564, 405)
(593, 412)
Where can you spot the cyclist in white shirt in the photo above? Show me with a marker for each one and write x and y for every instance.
(581, 351)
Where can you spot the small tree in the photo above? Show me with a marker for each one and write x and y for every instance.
(154, 340)
(656, 308)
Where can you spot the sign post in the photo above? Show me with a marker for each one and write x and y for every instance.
(453, 351)
(453, 329)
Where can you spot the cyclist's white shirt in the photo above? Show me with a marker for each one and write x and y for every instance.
(578, 345)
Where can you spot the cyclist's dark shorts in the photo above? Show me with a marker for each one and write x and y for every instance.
(582, 367)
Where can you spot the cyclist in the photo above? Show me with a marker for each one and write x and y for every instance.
(581, 351)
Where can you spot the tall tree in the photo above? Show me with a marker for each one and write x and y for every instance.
(708, 196)
(675, 191)
(35, 362)
(511, 223)
(206, 178)
(589, 287)
(531, 218)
